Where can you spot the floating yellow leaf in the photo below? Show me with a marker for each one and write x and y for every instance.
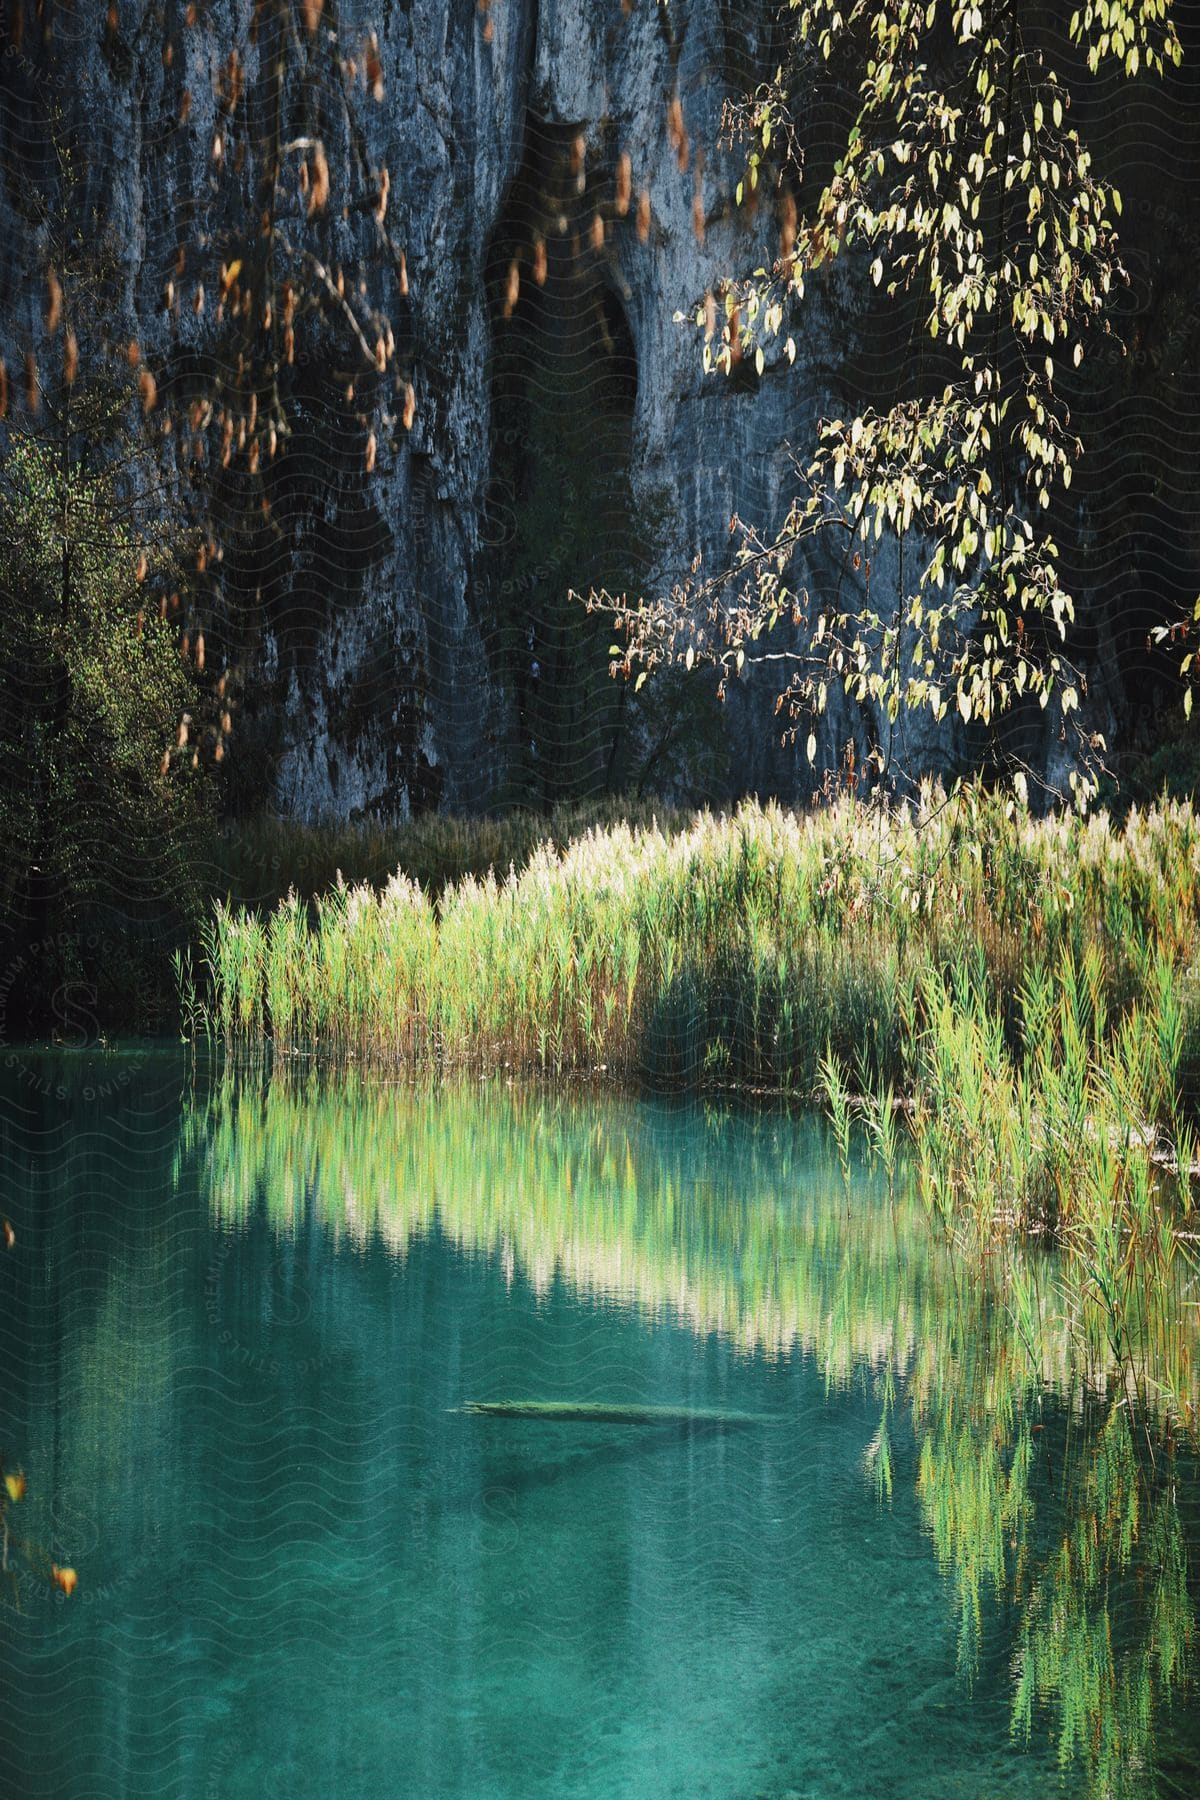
(66, 1579)
(15, 1485)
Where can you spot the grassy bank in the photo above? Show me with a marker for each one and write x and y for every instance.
(731, 948)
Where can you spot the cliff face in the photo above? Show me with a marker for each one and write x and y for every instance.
(457, 123)
(376, 685)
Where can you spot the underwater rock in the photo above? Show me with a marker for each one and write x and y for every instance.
(602, 1412)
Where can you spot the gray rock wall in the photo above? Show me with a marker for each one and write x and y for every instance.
(390, 703)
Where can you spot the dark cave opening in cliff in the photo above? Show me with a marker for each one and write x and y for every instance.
(561, 514)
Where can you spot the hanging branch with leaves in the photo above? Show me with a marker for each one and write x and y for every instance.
(964, 195)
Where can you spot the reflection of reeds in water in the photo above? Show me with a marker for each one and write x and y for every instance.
(1107, 1623)
(1045, 1478)
(695, 1223)
(669, 1221)
(1084, 1536)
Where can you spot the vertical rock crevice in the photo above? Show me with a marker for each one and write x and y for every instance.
(561, 512)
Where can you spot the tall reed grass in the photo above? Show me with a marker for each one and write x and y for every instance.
(741, 949)
(259, 861)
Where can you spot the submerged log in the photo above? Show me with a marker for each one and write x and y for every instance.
(602, 1412)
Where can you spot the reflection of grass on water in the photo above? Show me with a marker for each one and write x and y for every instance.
(1123, 1548)
(1048, 1479)
(613, 1211)
(1084, 1538)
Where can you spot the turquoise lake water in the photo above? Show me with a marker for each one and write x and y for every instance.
(239, 1319)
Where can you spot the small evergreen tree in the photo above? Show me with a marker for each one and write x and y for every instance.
(101, 797)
